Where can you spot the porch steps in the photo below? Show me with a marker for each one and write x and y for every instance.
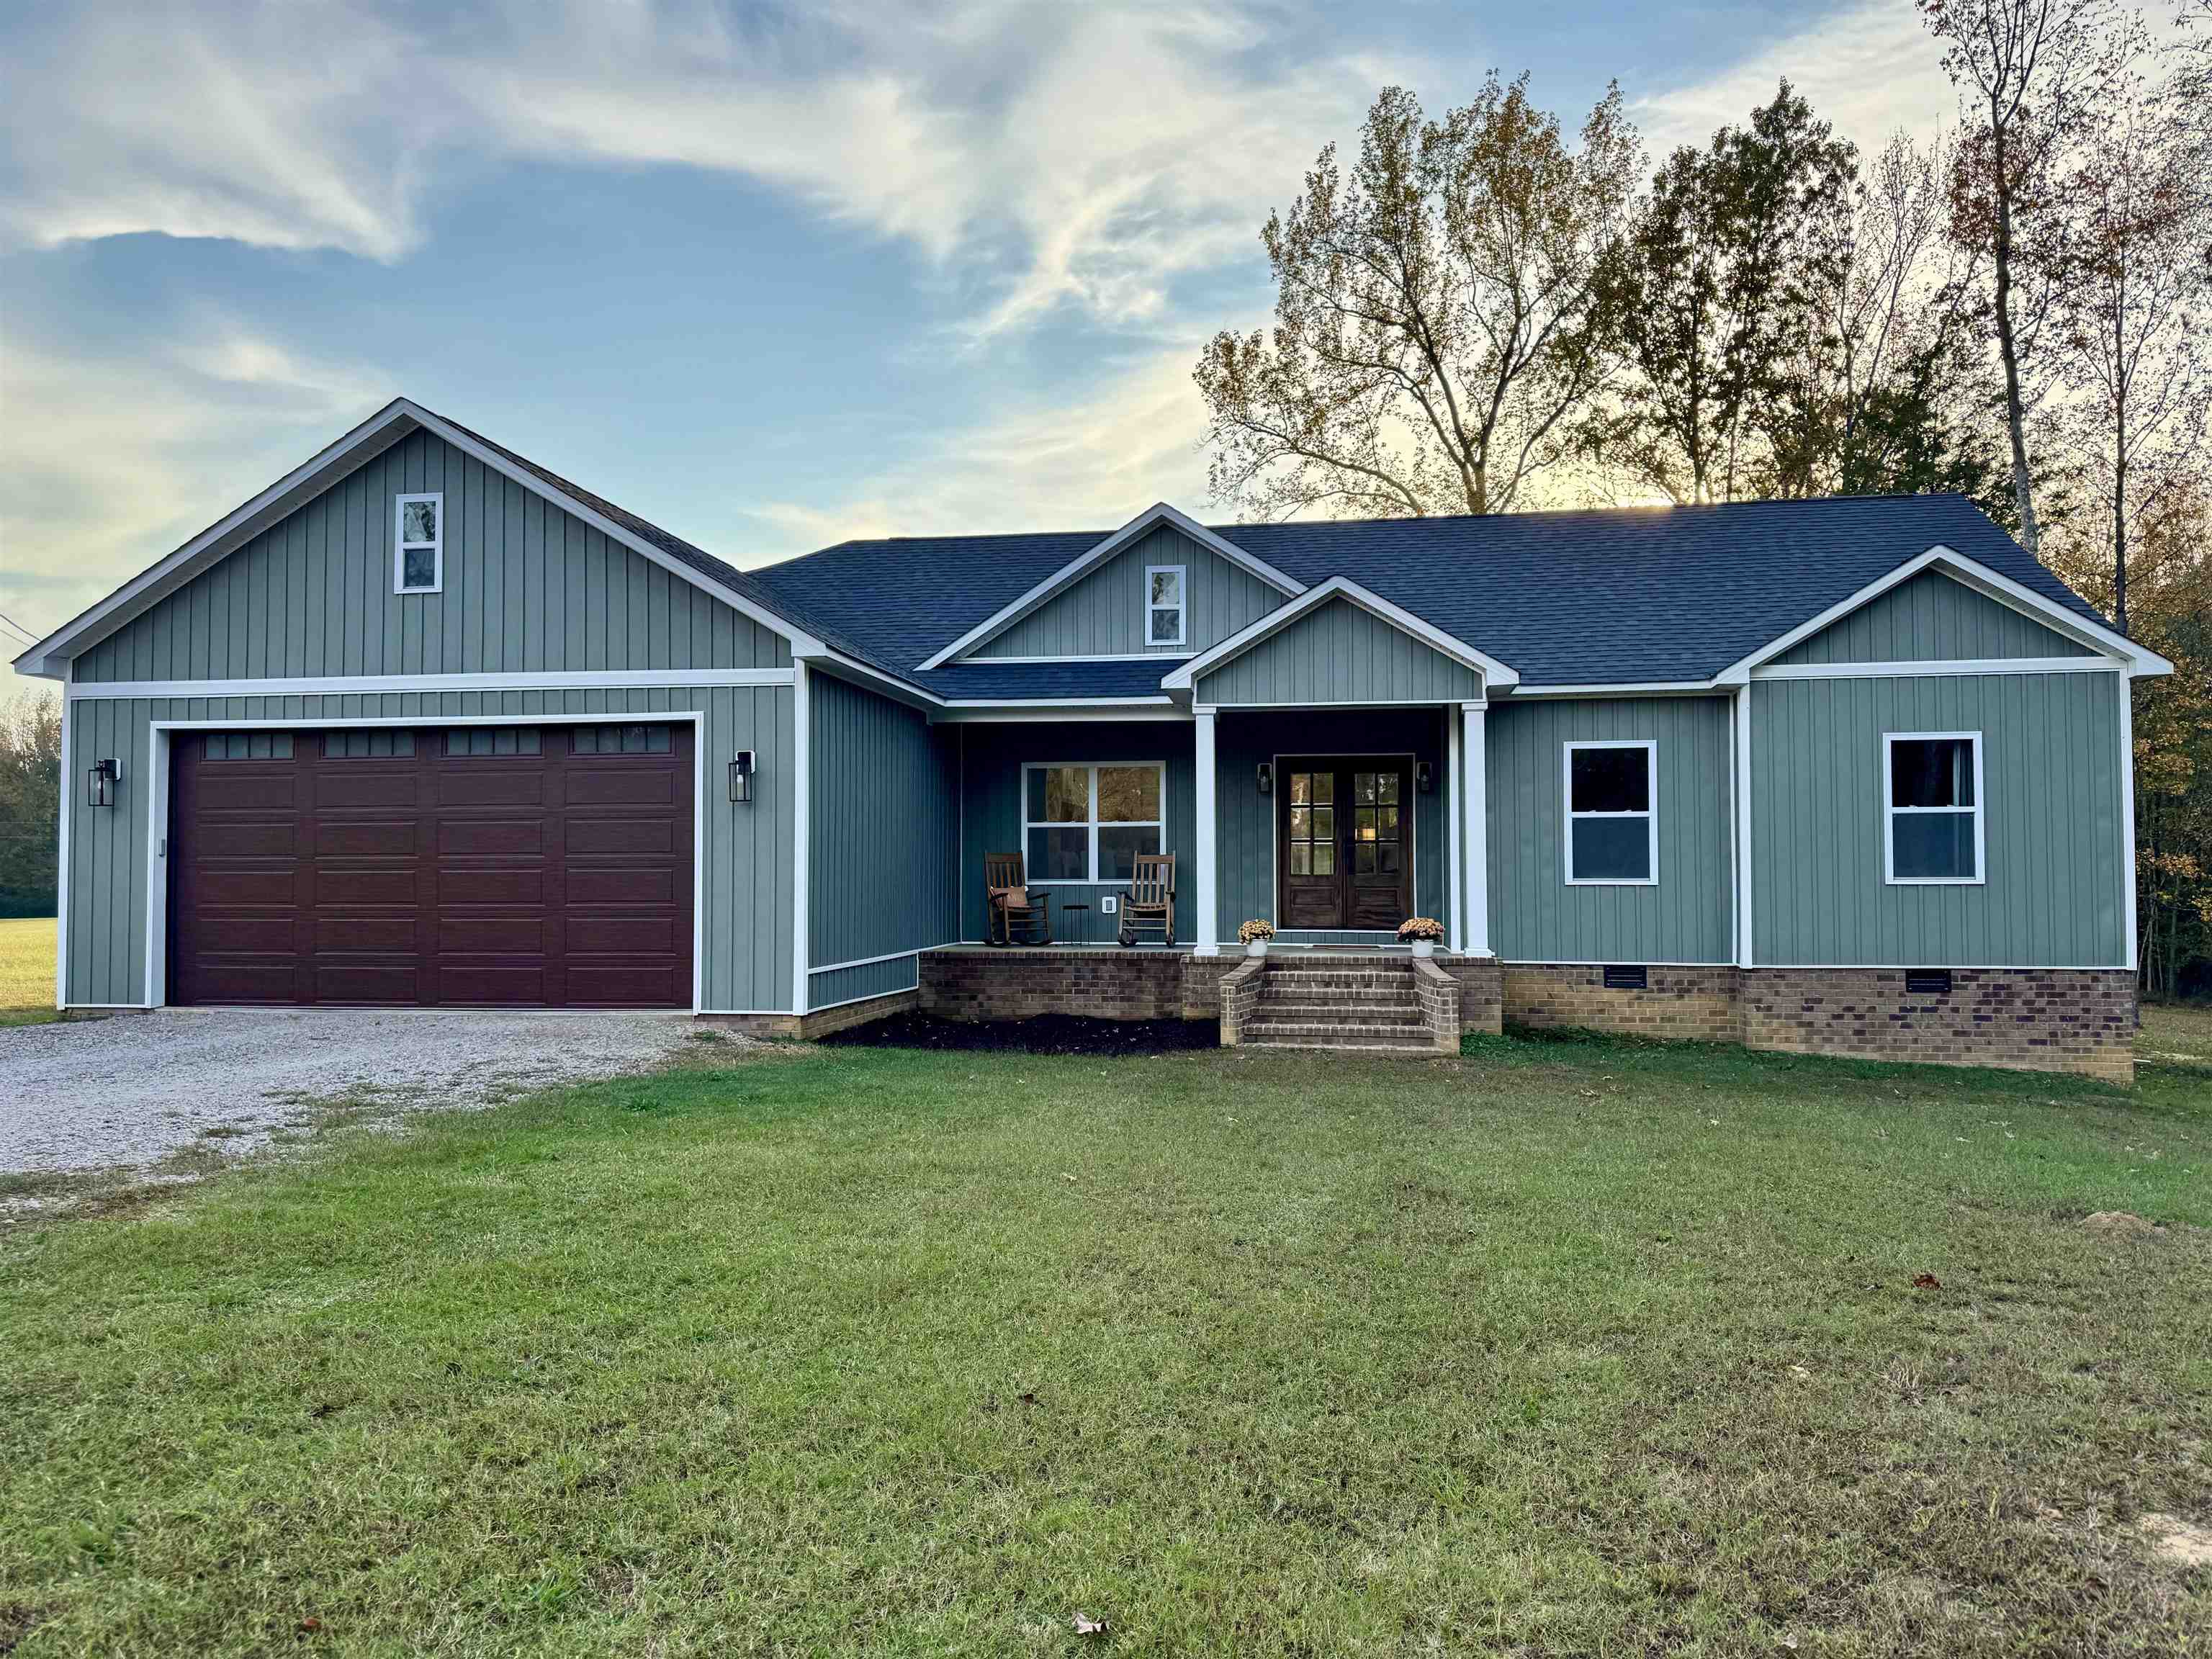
(1331, 1003)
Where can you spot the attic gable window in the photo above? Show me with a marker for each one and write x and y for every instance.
(419, 547)
(1164, 587)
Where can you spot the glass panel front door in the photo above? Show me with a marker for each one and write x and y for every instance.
(1344, 842)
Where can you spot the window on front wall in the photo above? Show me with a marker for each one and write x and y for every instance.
(1089, 822)
(418, 555)
(1931, 802)
(1613, 818)
(1164, 604)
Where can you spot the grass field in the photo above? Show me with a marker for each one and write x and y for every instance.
(27, 970)
(1564, 1347)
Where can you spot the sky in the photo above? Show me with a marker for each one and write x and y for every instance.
(770, 275)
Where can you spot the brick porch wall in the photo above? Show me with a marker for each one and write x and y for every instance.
(1683, 1005)
(1022, 981)
(2080, 1020)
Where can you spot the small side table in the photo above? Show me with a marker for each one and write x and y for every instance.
(1068, 913)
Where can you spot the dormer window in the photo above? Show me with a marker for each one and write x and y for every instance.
(1164, 585)
(418, 555)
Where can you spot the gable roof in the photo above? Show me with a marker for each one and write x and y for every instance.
(1647, 596)
(1496, 676)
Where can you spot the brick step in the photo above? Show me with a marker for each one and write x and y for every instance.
(1360, 1042)
(1310, 1008)
(1296, 1029)
(1338, 980)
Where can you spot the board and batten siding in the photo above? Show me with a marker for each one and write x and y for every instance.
(1687, 916)
(528, 588)
(991, 793)
(744, 854)
(1104, 613)
(1244, 838)
(1339, 653)
(2052, 823)
(883, 838)
(1930, 617)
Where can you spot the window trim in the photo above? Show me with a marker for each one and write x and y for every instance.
(1890, 810)
(1182, 605)
(1568, 814)
(401, 546)
(1091, 823)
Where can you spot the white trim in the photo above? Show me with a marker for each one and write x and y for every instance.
(1972, 574)
(157, 873)
(372, 437)
(1182, 606)
(1062, 714)
(401, 546)
(870, 961)
(2128, 817)
(1839, 967)
(1610, 961)
(802, 829)
(872, 679)
(62, 865)
(1649, 813)
(1739, 784)
(351, 685)
(1623, 689)
(1496, 676)
(1092, 824)
(1164, 657)
(1158, 513)
(1204, 765)
(1885, 671)
(1890, 811)
(1312, 706)
(1476, 746)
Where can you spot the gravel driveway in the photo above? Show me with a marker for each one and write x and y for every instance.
(93, 1094)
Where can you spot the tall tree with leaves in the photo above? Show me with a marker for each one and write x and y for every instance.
(30, 803)
(1433, 335)
(1708, 300)
(2029, 75)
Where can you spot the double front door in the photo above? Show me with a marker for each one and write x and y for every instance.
(1344, 841)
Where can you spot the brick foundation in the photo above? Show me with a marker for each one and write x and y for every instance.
(1022, 981)
(820, 1024)
(2037, 1019)
(2033, 1019)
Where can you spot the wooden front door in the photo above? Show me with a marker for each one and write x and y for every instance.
(1344, 842)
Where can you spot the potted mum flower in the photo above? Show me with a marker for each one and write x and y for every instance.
(1255, 933)
(1422, 932)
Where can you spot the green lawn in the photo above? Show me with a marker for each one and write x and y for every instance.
(1565, 1347)
(26, 971)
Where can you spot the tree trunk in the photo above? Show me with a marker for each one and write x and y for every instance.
(2120, 513)
(2007, 350)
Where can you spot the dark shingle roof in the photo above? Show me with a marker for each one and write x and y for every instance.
(1565, 598)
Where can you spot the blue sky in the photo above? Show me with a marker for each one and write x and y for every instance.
(770, 275)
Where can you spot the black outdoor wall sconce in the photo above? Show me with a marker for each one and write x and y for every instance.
(1267, 779)
(100, 783)
(1425, 777)
(741, 776)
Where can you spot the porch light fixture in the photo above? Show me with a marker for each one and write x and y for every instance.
(741, 776)
(1267, 779)
(1425, 777)
(100, 783)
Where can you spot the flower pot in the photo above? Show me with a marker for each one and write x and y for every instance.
(1257, 947)
(1425, 947)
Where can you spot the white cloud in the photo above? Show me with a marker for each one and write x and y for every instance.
(1085, 156)
(1870, 69)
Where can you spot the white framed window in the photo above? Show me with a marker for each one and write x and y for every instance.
(1611, 813)
(1166, 589)
(1931, 809)
(419, 544)
(1086, 823)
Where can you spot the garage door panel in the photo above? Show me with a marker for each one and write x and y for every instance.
(384, 869)
(488, 837)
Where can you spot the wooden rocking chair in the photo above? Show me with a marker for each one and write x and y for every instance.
(1149, 905)
(1010, 908)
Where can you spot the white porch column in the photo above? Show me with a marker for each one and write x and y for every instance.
(802, 829)
(1476, 861)
(1207, 927)
(1454, 834)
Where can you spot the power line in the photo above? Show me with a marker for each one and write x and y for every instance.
(29, 638)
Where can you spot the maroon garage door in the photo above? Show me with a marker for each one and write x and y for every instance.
(528, 867)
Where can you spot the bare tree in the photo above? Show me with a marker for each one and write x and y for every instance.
(2134, 307)
(1433, 331)
(2029, 73)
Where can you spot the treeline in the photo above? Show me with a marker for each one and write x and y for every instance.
(1479, 312)
(30, 804)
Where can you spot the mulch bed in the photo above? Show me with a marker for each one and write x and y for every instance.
(1047, 1034)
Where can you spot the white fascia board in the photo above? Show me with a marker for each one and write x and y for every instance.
(1991, 584)
(839, 666)
(371, 438)
(1912, 669)
(1158, 512)
(1065, 708)
(1623, 689)
(1496, 676)
(352, 685)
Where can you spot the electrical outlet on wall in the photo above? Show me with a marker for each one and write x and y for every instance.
(1110, 904)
